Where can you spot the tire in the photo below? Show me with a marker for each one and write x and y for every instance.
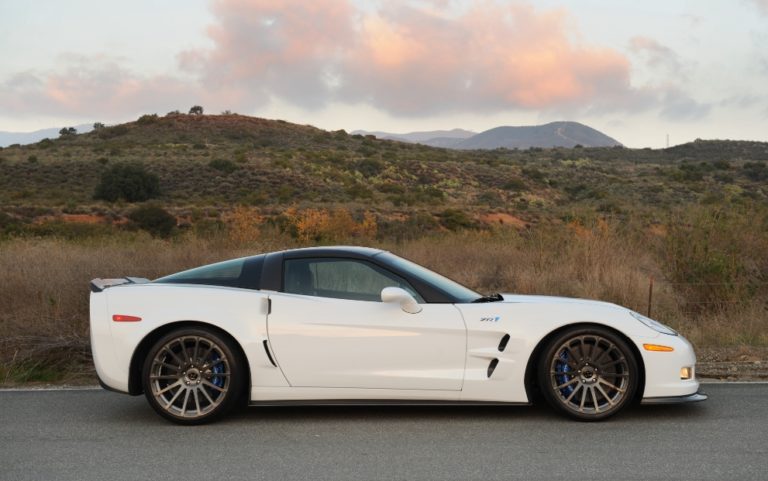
(193, 376)
(588, 373)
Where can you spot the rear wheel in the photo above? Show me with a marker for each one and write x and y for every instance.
(588, 373)
(192, 376)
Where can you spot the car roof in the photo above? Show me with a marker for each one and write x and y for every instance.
(333, 251)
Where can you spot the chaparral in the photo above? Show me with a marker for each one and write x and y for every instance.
(359, 325)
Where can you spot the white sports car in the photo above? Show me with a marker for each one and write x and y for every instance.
(359, 325)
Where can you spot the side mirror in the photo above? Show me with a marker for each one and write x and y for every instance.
(402, 297)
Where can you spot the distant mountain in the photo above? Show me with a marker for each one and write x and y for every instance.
(10, 138)
(422, 137)
(553, 134)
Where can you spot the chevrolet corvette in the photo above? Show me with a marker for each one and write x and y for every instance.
(354, 325)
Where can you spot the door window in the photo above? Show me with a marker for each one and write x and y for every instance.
(341, 279)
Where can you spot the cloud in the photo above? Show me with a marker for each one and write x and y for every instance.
(97, 87)
(409, 59)
(656, 55)
(405, 59)
(762, 5)
(679, 106)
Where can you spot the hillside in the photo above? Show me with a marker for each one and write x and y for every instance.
(208, 164)
(553, 134)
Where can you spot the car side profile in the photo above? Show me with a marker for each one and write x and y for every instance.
(361, 325)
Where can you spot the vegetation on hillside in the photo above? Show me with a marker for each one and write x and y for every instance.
(595, 223)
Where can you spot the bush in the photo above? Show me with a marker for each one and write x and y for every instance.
(132, 183)
(455, 219)
(153, 219)
(223, 165)
(196, 110)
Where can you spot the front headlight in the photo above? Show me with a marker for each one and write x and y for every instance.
(655, 325)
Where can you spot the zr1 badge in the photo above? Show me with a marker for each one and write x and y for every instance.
(490, 319)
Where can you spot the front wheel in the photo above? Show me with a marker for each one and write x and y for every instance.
(192, 376)
(588, 373)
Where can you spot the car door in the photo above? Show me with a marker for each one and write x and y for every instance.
(329, 329)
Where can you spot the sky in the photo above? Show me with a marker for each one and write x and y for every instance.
(637, 71)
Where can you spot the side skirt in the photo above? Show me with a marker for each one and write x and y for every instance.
(382, 402)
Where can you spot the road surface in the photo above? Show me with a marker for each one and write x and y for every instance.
(99, 435)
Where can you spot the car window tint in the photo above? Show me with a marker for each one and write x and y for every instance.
(341, 279)
(225, 273)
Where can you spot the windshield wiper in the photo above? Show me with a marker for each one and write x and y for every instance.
(491, 298)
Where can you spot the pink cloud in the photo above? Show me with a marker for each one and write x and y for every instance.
(92, 86)
(408, 60)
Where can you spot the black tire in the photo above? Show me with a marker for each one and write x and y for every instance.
(588, 373)
(193, 375)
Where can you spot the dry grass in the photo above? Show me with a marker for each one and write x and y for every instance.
(44, 295)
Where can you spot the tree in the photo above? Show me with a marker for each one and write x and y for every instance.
(153, 219)
(67, 132)
(132, 183)
(98, 126)
(196, 110)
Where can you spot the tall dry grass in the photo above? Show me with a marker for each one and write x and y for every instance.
(44, 293)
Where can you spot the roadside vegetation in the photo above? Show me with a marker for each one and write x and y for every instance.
(164, 194)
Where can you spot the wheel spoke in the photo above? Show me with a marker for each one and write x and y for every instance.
(164, 376)
(169, 387)
(194, 352)
(571, 396)
(616, 388)
(594, 398)
(184, 404)
(170, 402)
(583, 398)
(197, 402)
(173, 354)
(207, 396)
(605, 395)
(213, 386)
(567, 383)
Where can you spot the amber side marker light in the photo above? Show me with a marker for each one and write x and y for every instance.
(657, 348)
(124, 318)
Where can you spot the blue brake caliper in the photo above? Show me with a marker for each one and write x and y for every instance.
(217, 369)
(562, 367)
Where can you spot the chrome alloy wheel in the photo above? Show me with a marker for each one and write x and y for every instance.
(190, 376)
(590, 375)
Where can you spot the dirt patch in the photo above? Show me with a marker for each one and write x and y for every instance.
(501, 218)
(738, 363)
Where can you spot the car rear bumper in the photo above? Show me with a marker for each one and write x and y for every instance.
(690, 398)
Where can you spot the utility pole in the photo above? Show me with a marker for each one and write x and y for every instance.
(667, 140)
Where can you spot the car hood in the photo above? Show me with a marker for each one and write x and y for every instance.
(526, 299)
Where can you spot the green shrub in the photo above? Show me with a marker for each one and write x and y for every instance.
(153, 219)
(147, 119)
(130, 182)
(455, 219)
(223, 165)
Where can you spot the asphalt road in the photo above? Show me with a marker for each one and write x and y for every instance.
(84, 435)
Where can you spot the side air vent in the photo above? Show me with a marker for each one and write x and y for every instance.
(492, 367)
(269, 354)
(503, 343)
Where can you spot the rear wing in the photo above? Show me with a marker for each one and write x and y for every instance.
(98, 284)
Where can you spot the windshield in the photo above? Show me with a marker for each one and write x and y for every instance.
(452, 288)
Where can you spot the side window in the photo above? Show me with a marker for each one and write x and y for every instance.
(341, 279)
(244, 273)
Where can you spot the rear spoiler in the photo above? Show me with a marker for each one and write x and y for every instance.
(98, 285)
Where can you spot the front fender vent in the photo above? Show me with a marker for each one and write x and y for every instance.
(492, 367)
(503, 343)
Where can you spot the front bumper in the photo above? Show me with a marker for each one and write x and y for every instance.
(690, 398)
